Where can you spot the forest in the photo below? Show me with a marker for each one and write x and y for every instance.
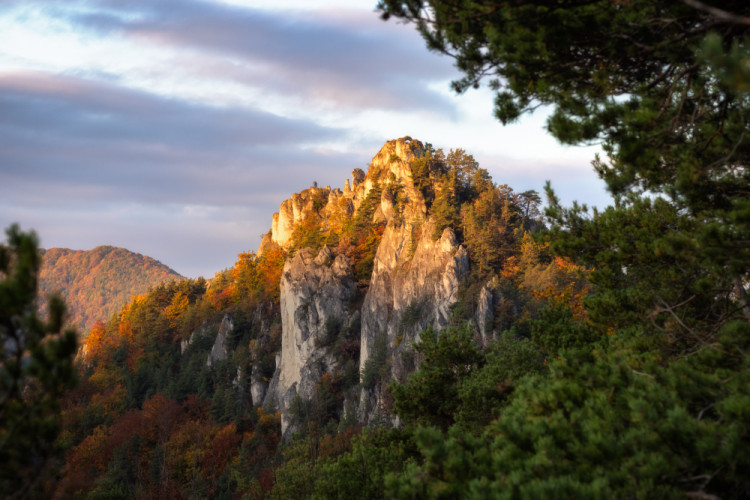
(97, 283)
(618, 362)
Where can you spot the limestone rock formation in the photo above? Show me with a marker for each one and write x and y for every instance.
(485, 312)
(315, 290)
(390, 167)
(414, 283)
(258, 386)
(408, 293)
(219, 350)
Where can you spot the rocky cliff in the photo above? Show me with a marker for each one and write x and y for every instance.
(316, 294)
(413, 282)
(407, 294)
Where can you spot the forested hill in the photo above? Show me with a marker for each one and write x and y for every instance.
(96, 283)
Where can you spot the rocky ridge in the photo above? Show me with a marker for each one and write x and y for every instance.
(335, 323)
(412, 275)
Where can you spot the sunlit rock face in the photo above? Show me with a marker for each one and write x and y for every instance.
(314, 291)
(220, 349)
(408, 293)
(414, 282)
(390, 166)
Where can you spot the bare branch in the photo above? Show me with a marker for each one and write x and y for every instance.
(721, 15)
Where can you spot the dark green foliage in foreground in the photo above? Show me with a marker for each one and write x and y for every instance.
(376, 366)
(36, 367)
(459, 383)
(663, 86)
(647, 392)
(602, 424)
(361, 472)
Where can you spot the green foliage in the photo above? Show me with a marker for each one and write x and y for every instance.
(483, 395)
(376, 366)
(309, 234)
(489, 227)
(410, 316)
(430, 395)
(558, 329)
(661, 85)
(650, 272)
(424, 170)
(331, 330)
(603, 423)
(361, 236)
(457, 382)
(645, 386)
(446, 208)
(36, 368)
(360, 472)
(611, 71)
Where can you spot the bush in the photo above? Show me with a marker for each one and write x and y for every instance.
(376, 367)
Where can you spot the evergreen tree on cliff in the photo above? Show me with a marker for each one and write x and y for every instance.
(36, 367)
(657, 404)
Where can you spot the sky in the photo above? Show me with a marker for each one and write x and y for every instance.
(175, 128)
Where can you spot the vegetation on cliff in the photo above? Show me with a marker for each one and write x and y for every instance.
(151, 417)
(645, 394)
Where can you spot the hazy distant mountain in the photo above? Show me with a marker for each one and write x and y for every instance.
(96, 283)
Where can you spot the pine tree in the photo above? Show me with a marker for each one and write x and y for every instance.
(36, 368)
(644, 397)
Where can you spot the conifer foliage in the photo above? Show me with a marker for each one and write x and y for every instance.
(646, 390)
(36, 367)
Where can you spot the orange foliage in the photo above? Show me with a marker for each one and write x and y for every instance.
(566, 289)
(176, 309)
(258, 277)
(185, 449)
(93, 346)
(90, 453)
(160, 415)
(547, 278)
(111, 399)
(339, 443)
(127, 340)
(221, 449)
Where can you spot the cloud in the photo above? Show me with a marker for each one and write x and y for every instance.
(89, 162)
(330, 59)
(176, 127)
(105, 141)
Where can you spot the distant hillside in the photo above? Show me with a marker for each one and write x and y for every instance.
(96, 283)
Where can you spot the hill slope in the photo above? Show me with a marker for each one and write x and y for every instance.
(96, 283)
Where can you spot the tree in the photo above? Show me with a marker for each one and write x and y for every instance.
(662, 85)
(430, 396)
(36, 367)
(643, 394)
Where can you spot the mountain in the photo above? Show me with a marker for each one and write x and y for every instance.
(301, 341)
(97, 283)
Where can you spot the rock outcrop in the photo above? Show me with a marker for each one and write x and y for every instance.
(407, 294)
(316, 291)
(220, 349)
(414, 283)
(485, 312)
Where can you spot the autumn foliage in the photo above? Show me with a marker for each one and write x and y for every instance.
(153, 418)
